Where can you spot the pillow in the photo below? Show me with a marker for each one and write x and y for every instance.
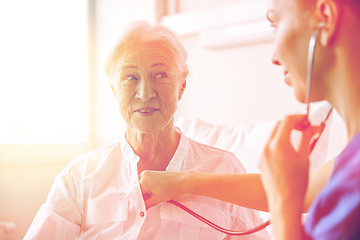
(247, 141)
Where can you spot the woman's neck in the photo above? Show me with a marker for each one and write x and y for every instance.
(346, 80)
(156, 149)
(350, 113)
(345, 93)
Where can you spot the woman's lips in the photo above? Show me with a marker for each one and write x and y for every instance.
(146, 111)
(287, 78)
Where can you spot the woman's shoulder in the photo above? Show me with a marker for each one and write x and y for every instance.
(86, 163)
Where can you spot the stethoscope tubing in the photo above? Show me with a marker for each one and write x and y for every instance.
(218, 228)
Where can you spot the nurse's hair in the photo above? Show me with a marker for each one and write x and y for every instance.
(142, 32)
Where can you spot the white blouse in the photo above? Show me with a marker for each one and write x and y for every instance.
(97, 196)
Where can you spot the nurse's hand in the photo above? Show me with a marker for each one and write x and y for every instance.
(284, 169)
(162, 186)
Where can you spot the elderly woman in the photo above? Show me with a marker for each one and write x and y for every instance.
(98, 195)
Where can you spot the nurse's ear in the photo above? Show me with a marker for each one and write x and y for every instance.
(327, 12)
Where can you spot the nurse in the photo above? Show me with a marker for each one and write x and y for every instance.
(98, 196)
(285, 178)
(335, 214)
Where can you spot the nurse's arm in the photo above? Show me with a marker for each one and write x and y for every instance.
(242, 189)
(247, 190)
(317, 181)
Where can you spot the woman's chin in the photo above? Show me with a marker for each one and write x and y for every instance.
(146, 128)
(300, 97)
(287, 81)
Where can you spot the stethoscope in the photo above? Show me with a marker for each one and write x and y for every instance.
(310, 60)
(218, 228)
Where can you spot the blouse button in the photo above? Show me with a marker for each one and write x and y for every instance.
(142, 214)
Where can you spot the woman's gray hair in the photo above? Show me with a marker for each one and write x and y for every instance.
(140, 32)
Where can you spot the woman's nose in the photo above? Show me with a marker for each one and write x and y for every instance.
(145, 90)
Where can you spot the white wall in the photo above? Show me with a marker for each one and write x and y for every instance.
(235, 85)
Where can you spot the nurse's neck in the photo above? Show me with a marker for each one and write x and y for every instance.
(156, 149)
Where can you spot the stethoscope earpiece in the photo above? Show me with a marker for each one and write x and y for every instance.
(321, 25)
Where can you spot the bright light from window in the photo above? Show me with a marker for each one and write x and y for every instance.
(44, 71)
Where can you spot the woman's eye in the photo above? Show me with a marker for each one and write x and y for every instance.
(161, 75)
(131, 77)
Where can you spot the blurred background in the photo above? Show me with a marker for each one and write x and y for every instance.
(55, 101)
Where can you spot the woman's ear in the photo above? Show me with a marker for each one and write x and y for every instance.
(328, 13)
(112, 88)
(183, 86)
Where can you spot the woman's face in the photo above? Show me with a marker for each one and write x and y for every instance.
(148, 87)
(292, 33)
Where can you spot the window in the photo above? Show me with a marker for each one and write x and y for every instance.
(44, 83)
